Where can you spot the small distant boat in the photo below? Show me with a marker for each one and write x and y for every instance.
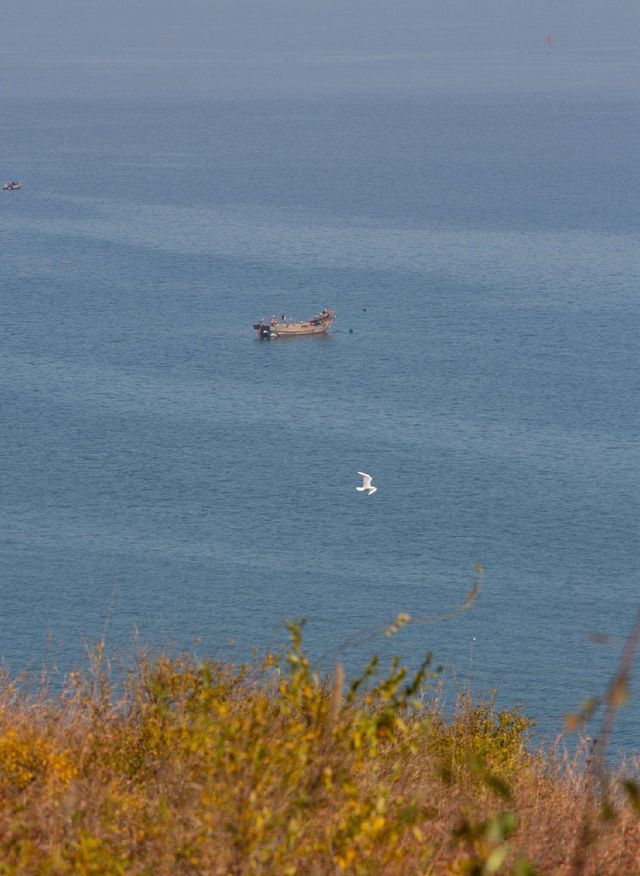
(12, 186)
(316, 326)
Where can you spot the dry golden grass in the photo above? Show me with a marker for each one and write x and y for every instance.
(207, 768)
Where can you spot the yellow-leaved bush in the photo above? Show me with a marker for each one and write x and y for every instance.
(201, 767)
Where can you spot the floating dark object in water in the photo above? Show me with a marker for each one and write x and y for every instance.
(12, 186)
(350, 331)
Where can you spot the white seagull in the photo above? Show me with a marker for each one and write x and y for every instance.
(366, 487)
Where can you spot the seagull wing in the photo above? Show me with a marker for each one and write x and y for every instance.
(366, 478)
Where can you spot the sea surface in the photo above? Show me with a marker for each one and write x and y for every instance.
(169, 481)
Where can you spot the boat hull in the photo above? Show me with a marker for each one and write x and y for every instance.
(296, 330)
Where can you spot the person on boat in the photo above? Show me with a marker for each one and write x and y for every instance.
(274, 321)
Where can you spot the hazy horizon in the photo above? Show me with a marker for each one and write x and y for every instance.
(301, 25)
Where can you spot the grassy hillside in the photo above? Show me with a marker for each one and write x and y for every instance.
(207, 768)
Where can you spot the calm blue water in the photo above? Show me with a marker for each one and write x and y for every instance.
(472, 218)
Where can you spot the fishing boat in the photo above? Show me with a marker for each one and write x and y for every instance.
(283, 329)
